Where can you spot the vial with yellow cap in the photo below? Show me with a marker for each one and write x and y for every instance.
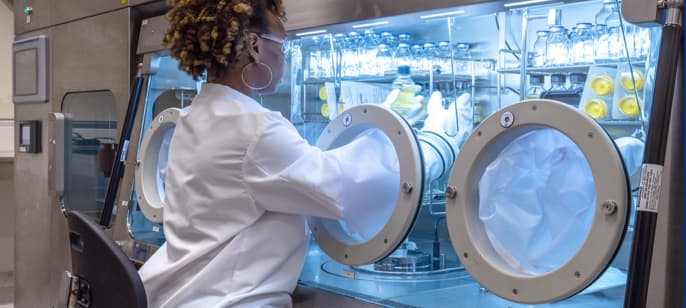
(628, 106)
(627, 82)
(322, 93)
(596, 108)
(602, 85)
(325, 110)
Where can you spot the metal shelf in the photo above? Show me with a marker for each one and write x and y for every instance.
(620, 123)
(389, 78)
(549, 70)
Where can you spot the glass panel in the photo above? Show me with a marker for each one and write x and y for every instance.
(407, 68)
(474, 60)
(536, 202)
(90, 155)
(168, 88)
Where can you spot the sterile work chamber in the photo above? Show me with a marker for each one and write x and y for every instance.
(517, 130)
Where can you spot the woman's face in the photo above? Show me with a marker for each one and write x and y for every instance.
(270, 46)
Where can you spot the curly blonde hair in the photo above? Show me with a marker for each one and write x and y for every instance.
(206, 35)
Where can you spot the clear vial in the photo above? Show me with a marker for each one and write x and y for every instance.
(351, 55)
(605, 11)
(314, 59)
(557, 48)
(461, 57)
(417, 55)
(428, 57)
(405, 102)
(539, 51)
(327, 57)
(368, 53)
(384, 60)
(602, 44)
(404, 38)
(388, 39)
(443, 58)
(618, 50)
(402, 55)
(582, 44)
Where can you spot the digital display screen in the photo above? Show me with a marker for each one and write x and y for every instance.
(25, 134)
(26, 72)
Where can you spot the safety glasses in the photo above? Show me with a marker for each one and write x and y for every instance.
(274, 39)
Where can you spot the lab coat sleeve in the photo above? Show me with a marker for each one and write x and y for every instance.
(283, 173)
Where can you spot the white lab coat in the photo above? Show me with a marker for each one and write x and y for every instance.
(239, 181)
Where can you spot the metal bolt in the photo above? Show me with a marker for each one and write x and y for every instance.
(450, 192)
(406, 187)
(610, 207)
(347, 120)
(507, 119)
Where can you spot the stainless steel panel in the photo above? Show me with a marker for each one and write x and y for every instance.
(306, 297)
(92, 53)
(39, 17)
(89, 59)
(152, 32)
(312, 13)
(139, 2)
(641, 11)
(66, 10)
(32, 212)
(8, 3)
(57, 142)
(33, 215)
(7, 207)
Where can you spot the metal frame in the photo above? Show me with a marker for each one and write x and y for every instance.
(330, 236)
(147, 188)
(611, 213)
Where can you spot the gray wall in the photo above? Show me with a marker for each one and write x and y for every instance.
(81, 58)
(6, 142)
(6, 216)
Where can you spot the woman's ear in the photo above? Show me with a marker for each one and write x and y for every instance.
(252, 45)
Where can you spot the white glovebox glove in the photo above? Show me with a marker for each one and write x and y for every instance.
(443, 132)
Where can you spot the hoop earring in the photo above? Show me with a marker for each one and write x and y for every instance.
(255, 69)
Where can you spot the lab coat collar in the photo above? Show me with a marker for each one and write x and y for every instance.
(216, 89)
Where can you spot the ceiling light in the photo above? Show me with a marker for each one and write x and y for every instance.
(442, 14)
(372, 24)
(523, 3)
(311, 32)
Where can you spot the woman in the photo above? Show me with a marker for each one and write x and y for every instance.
(240, 179)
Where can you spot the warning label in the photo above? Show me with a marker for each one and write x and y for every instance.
(651, 182)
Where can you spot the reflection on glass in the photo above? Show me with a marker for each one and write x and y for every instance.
(88, 162)
(536, 201)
